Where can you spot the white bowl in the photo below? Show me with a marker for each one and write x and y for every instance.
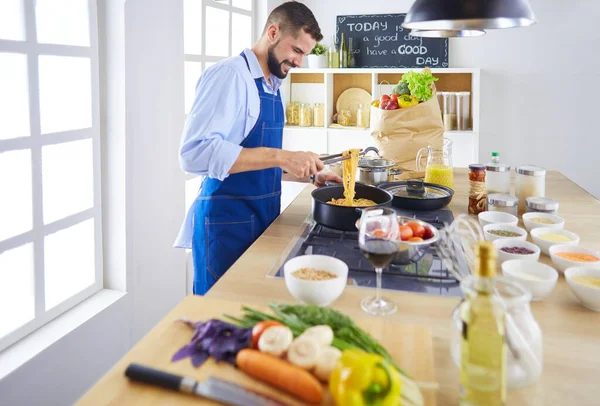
(538, 278)
(511, 242)
(558, 222)
(562, 264)
(589, 297)
(492, 237)
(545, 245)
(497, 217)
(320, 293)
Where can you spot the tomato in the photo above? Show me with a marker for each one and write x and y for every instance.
(406, 232)
(428, 233)
(384, 97)
(415, 239)
(379, 233)
(394, 97)
(260, 328)
(418, 229)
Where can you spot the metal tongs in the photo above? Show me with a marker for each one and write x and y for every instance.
(332, 159)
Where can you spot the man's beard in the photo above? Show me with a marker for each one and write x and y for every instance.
(274, 65)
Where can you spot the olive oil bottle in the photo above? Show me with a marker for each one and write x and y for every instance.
(483, 349)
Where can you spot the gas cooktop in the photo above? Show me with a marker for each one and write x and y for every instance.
(427, 276)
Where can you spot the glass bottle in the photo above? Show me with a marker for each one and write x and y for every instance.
(351, 55)
(477, 191)
(483, 345)
(343, 52)
(362, 116)
(334, 53)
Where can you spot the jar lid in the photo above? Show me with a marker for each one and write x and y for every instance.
(542, 203)
(530, 170)
(502, 200)
(477, 167)
(497, 168)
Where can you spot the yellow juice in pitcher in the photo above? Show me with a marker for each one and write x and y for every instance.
(440, 175)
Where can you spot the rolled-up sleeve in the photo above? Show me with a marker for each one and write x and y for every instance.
(220, 103)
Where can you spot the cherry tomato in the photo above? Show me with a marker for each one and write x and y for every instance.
(418, 229)
(260, 328)
(428, 233)
(406, 232)
(415, 239)
(379, 233)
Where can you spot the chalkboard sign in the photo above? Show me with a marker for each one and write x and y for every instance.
(379, 41)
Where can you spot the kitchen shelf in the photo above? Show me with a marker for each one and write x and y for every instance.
(295, 128)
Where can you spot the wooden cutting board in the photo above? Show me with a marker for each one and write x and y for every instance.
(410, 346)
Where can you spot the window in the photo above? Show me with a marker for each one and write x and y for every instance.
(50, 235)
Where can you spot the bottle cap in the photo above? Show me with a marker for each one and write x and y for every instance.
(486, 252)
(495, 154)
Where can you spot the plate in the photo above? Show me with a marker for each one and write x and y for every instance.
(351, 98)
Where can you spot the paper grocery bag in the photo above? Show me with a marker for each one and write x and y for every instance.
(400, 134)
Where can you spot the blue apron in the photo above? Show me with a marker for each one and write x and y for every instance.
(230, 215)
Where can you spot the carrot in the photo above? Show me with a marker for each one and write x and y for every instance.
(280, 374)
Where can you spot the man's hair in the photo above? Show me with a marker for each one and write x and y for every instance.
(293, 16)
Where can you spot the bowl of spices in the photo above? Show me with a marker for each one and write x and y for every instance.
(315, 279)
(539, 220)
(509, 248)
(545, 238)
(497, 231)
(568, 256)
(585, 285)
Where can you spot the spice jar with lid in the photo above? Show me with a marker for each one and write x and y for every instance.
(318, 115)
(305, 115)
(530, 182)
(541, 205)
(503, 202)
(477, 193)
(292, 112)
(497, 178)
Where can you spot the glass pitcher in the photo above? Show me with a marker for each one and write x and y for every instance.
(438, 169)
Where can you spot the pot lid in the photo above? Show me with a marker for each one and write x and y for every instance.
(417, 189)
(375, 163)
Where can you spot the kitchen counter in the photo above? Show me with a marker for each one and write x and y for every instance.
(570, 331)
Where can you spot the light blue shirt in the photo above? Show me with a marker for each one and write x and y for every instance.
(226, 108)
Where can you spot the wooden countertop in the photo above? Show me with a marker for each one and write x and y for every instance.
(571, 332)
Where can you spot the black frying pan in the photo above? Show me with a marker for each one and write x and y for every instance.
(342, 217)
(415, 196)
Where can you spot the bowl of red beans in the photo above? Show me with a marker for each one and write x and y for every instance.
(510, 248)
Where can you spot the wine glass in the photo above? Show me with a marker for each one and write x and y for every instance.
(377, 239)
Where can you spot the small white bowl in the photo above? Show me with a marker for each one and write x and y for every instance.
(497, 217)
(589, 297)
(557, 222)
(545, 245)
(511, 242)
(492, 237)
(320, 293)
(562, 264)
(538, 278)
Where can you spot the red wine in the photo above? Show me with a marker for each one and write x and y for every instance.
(379, 252)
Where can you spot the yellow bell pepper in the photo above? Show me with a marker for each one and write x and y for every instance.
(363, 379)
(375, 103)
(407, 100)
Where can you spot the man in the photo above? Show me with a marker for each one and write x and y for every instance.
(233, 136)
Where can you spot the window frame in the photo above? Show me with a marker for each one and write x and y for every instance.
(35, 142)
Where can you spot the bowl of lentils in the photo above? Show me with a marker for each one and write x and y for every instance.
(494, 232)
(510, 248)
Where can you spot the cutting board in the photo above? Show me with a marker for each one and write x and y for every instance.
(410, 346)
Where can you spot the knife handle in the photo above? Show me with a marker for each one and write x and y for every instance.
(141, 373)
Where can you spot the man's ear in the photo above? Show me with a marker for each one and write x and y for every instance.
(273, 33)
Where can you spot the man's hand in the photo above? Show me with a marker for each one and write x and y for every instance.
(301, 164)
(323, 177)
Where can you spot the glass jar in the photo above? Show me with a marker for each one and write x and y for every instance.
(477, 193)
(531, 182)
(450, 123)
(524, 361)
(305, 116)
(345, 118)
(463, 111)
(362, 116)
(498, 178)
(292, 112)
(541, 205)
(318, 115)
(503, 202)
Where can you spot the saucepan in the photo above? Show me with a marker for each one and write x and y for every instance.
(344, 217)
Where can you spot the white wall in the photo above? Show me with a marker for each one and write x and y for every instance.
(539, 85)
(141, 52)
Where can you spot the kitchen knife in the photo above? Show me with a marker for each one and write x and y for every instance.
(213, 388)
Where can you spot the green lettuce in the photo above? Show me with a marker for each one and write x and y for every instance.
(419, 84)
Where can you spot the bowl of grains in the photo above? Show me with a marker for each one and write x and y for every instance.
(494, 232)
(315, 279)
(539, 220)
(509, 248)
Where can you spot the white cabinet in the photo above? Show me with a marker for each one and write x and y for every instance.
(339, 140)
(305, 139)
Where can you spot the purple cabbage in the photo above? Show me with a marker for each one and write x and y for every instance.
(216, 339)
